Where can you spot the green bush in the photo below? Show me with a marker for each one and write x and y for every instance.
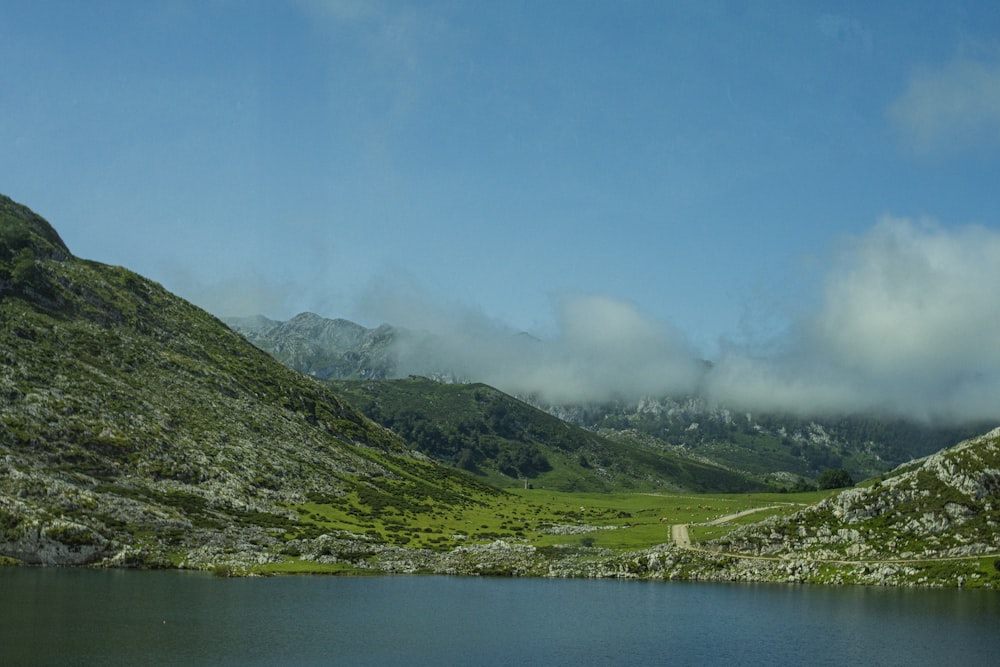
(223, 570)
(834, 479)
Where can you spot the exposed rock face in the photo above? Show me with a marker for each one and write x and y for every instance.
(56, 542)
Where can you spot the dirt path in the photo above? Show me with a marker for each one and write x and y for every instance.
(679, 531)
(679, 534)
(737, 515)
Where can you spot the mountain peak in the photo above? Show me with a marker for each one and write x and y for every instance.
(21, 229)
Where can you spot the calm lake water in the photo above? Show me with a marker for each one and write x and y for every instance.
(80, 617)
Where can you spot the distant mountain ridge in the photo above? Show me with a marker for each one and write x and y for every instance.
(782, 447)
(335, 349)
(321, 347)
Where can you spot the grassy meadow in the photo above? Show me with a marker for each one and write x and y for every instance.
(539, 517)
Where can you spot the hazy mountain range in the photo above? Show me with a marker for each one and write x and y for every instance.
(776, 447)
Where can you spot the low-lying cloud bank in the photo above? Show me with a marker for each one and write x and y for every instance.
(908, 322)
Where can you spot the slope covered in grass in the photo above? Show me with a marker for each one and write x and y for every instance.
(136, 427)
(485, 431)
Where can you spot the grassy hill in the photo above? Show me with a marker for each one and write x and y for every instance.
(487, 432)
(934, 521)
(137, 428)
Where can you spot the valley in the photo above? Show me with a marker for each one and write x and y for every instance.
(139, 431)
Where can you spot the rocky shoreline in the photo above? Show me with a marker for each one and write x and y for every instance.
(665, 562)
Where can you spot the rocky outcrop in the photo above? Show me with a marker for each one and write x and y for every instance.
(57, 542)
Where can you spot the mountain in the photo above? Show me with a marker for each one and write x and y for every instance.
(487, 432)
(783, 449)
(136, 428)
(321, 347)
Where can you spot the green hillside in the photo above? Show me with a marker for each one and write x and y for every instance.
(137, 428)
(484, 431)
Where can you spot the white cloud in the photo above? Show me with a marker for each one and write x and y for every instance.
(952, 108)
(915, 300)
(909, 322)
(607, 347)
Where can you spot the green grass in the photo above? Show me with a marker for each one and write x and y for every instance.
(622, 521)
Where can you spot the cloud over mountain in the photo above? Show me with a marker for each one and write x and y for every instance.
(603, 348)
(907, 321)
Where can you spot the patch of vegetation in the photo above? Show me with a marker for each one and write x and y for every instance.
(834, 479)
(864, 445)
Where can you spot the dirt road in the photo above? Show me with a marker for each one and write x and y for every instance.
(679, 533)
(731, 517)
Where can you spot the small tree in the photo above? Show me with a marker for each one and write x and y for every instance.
(834, 479)
(467, 460)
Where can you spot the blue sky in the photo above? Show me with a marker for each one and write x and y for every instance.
(805, 193)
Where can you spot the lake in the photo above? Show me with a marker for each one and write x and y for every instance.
(87, 617)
